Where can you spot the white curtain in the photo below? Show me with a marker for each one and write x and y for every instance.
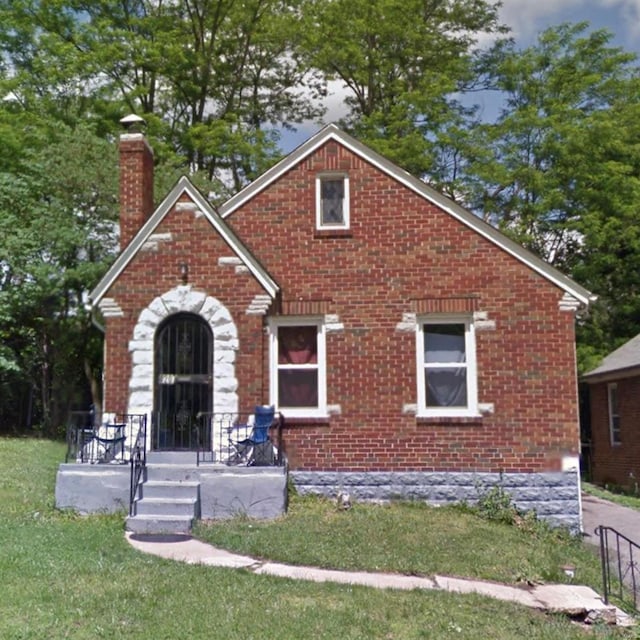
(446, 386)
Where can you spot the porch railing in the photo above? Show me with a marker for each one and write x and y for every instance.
(173, 431)
(88, 442)
(219, 438)
(619, 557)
(138, 463)
(80, 430)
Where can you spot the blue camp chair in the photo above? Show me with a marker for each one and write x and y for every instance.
(256, 449)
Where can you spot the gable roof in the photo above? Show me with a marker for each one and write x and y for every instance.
(332, 132)
(622, 362)
(184, 186)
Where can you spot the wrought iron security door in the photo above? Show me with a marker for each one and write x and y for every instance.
(183, 389)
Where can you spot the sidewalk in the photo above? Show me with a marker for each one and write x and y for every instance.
(576, 601)
(596, 511)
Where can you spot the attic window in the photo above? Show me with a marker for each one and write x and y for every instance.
(332, 201)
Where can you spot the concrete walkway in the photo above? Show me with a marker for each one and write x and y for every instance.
(596, 512)
(576, 601)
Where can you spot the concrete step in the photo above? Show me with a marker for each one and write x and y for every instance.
(171, 472)
(172, 457)
(153, 524)
(169, 490)
(166, 507)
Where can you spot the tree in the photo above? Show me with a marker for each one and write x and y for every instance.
(559, 169)
(57, 236)
(403, 65)
(214, 78)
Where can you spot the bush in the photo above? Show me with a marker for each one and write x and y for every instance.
(496, 505)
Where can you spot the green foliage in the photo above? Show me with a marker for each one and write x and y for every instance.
(57, 237)
(496, 504)
(625, 496)
(402, 64)
(213, 79)
(559, 169)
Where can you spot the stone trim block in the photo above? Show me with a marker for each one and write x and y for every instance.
(183, 299)
(554, 496)
(332, 323)
(154, 241)
(568, 303)
(259, 305)
(408, 323)
(232, 261)
(110, 308)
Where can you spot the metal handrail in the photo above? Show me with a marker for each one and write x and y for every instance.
(138, 462)
(628, 571)
(80, 429)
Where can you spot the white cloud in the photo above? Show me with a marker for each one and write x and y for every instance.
(527, 18)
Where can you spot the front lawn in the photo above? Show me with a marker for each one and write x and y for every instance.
(409, 538)
(64, 576)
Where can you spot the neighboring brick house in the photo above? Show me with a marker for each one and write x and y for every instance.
(614, 392)
(414, 350)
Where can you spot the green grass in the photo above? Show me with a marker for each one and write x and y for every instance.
(64, 576)
(408, 538)
(623, 499)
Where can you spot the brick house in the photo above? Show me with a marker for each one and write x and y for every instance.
(614, 397)
(414, 350)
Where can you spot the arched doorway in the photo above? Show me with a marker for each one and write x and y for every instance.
(183, 389)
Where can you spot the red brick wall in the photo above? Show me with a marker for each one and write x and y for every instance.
(402, 249)
(136, 185)
(616, 464)
(154, 272)
(399, 251)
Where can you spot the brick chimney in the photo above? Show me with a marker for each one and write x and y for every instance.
(136, 180)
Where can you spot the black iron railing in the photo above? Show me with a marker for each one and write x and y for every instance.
(138, 462)
(80, 430)
(619, 557)
(89, 442)
(174, 431)
(226, 438)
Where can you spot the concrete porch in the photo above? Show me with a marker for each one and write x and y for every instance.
(174, 491)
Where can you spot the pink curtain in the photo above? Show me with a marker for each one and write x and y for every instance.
(297, 345)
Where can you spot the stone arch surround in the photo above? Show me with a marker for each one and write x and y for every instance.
(183, 299)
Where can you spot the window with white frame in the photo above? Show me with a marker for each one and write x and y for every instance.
(447, 384)
(298, 367)
(332, 201)
(614, 415)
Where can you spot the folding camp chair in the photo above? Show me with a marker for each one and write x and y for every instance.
(257, 448)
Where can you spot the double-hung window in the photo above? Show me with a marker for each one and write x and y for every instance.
(298, 367)
(332, 201)
(447, 384)
(614, 415)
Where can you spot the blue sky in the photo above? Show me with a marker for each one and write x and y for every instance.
(527, 18)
